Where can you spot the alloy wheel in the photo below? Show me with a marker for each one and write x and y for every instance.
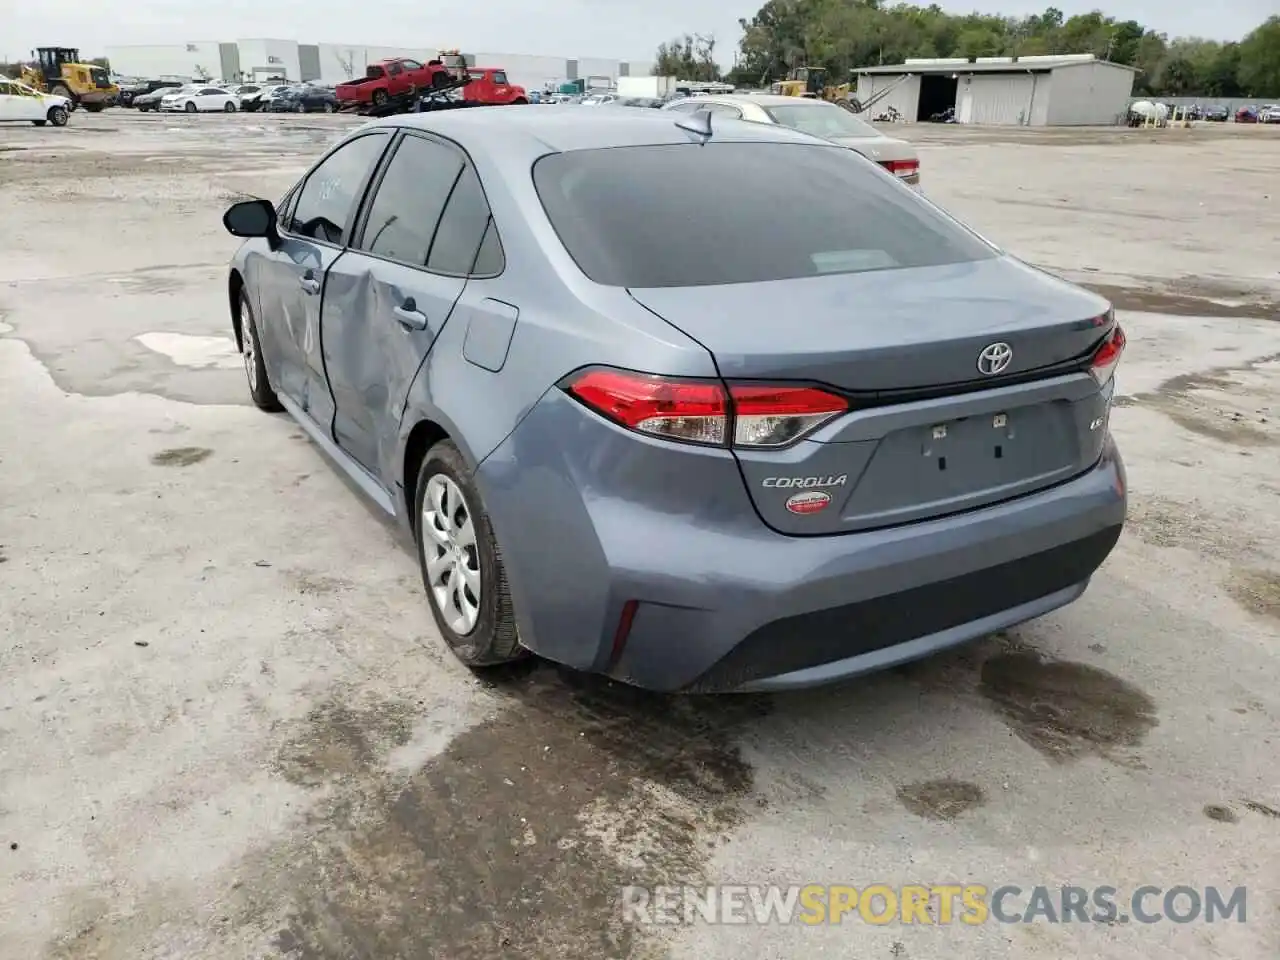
(250, 352)
(451, 555)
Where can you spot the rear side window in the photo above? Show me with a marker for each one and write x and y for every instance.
(461, 228)
(406, 208)
(688, 215)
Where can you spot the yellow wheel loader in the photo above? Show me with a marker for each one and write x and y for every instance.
(811, 82)
(58, 70)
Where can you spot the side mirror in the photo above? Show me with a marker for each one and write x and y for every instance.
(252, 218)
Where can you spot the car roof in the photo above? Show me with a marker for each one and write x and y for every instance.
(563, 128)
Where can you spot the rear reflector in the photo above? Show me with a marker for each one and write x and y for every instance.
(902, 168)
(702, 411)
(1107, 357)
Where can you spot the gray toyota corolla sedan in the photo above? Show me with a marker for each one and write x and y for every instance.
(696, 403)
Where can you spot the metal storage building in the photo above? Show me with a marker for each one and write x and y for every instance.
(1074, 90)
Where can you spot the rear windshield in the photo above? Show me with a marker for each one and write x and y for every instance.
(821, 120)
(686, 215)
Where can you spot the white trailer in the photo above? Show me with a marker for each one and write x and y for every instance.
(655, 87)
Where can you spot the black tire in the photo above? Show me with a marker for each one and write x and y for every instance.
(519, 102)
(379, 98)
(329, 107)
(191, 107)
(264, 397)
(494, 639)
(39, 123)
(229, 108)
(57, 116)
(440, 79)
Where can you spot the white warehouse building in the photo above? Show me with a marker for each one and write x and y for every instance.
(1074, 90)
(336, 62)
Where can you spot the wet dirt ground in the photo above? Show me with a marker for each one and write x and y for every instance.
(229, 730)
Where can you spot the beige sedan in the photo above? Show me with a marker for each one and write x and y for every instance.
(817, 118)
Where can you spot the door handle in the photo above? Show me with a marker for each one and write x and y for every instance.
(309, 283)
(410, 317)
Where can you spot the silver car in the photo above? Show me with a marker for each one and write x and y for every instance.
(816, 118)
(648, 408)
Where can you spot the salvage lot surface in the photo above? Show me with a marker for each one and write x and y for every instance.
(229, 729)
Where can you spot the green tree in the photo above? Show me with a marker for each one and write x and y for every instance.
(1259, 71)
(691, 57)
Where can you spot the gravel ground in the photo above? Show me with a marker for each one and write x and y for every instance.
(229, 729)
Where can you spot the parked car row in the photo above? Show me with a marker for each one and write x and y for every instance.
(249, 97)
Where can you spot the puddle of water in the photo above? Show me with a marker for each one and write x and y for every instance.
(517, 839)
(943, 799)
(181, 456)
(188, 350)
(1067, 710)
(1258, 591)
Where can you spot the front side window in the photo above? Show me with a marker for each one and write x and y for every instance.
(406, 209)
(690, 215)
(500, 78)
(332, 189)
(6, 90)
(412, 65)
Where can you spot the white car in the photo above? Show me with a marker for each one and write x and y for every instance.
(817, 118)
(200, 99)
(21, 102)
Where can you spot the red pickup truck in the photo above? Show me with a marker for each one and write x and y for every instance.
(390, 78)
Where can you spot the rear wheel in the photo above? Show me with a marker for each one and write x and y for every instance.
(62, 90)
(379, 98)
(462, 568)
(95, 107)
(255, 368)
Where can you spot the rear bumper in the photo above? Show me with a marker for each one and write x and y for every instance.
(723, 603)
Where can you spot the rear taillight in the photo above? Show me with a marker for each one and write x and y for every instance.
(1107, 357)
(902, 168)
(774, 416)
(702, 411)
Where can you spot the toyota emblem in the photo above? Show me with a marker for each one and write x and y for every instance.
(994, 358)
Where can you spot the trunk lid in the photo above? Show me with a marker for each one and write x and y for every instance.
(927, 433)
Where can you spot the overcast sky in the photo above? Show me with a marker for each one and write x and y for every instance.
(630, 29)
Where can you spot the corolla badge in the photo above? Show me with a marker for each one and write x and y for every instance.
(994, 358)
